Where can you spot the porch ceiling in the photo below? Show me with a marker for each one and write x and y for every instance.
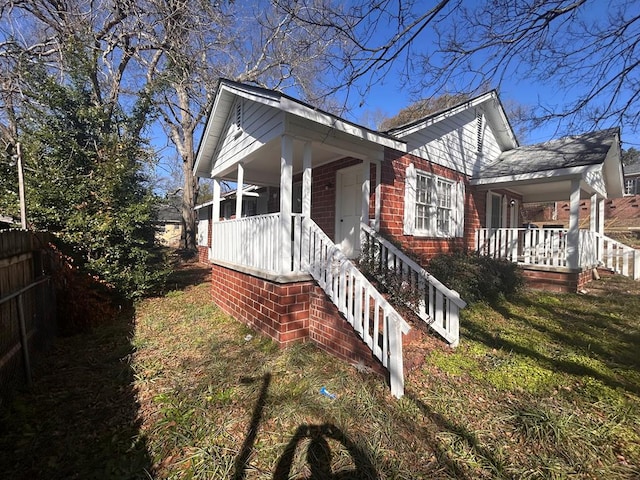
(542, 190)
(262, 167)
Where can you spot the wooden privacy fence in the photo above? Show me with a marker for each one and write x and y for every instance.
(27, 303)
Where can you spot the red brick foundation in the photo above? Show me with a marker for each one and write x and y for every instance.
(203, 254)
(290, 312)
(556, 280)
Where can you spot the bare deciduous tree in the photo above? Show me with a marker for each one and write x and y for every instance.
(586, 50)
(196, 44)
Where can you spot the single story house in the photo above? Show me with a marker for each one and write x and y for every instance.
(168, 225)
(453, 180)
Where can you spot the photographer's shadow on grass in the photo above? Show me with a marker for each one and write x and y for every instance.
(316, 439)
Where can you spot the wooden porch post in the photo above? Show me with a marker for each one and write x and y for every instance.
(239, 190)
(573, 237)
(366, 190)
(593, 219)
(601, 229)
(306, 204)
(306, 180)
(286, 187)
(378, 187)
(215, 207)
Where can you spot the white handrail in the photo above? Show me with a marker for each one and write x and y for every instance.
(439, 306)
(372, 317)
(548, 246)
(256, 241)
(618, 257)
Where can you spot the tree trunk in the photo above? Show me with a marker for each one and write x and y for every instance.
(189, 199)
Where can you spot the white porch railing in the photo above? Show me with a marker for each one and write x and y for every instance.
(534, 246)
(548, 246)
(617, 256)
(372, 317)
(438, 306)
(255, 242)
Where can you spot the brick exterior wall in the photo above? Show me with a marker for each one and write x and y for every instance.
(280, 311)
(323, 193)
(557, 281)
(392, 212)
(203, 254)
(619, 213)
(323, 202)
(331, 332)
(298, 311)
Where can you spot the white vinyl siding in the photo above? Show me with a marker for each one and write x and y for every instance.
(454, 142)
(249, 126)
(434, 205)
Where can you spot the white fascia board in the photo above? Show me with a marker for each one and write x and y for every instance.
(401, 132)
(508, 137)
(558, 174)
(203, 205)
(322, 118)
(218, 117)
(612, 170)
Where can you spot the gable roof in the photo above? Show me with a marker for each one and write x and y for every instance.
(574, 151)
(633, 169)
(525, 169)
(495, 113)
(228, 90)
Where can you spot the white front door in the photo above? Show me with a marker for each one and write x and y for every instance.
(349, 210)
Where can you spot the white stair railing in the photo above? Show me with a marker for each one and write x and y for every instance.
(368, 312)
(618, 257)
(439, 306)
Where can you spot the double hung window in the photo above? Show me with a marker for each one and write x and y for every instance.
(434, 205)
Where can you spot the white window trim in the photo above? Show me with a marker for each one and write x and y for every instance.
(456, 218)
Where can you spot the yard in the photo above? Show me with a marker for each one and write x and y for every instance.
(547, 386)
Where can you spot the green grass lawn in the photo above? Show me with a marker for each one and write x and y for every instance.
(545, 386)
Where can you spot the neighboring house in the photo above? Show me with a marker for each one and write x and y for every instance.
(7, 222)
(169, 222)
(454, 180)
(632, 179)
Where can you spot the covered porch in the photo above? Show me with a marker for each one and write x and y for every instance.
(585, 167)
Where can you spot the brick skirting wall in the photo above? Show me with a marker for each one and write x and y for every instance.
(290, 312)
(556, 280)
(203, 254)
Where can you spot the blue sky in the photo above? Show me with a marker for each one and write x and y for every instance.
(388, 96)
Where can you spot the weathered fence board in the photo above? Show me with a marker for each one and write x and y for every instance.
(26, 301)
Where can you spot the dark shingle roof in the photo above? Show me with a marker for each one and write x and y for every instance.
(574, 151)
(633, 169)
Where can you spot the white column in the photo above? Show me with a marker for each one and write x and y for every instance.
(593, 219)
(505, 209)
(306, 181)
(376, 223)
(366, 190)
(286, 187)
(215, 216)
(600, 229)
(215, 207)
(239, 191)
(573, 237)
